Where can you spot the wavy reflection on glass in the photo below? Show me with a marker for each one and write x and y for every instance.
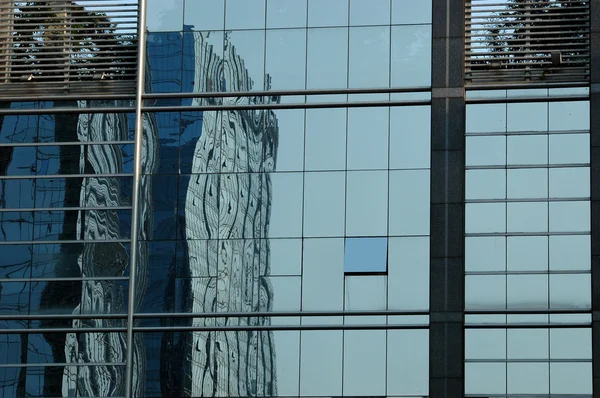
(228, 202)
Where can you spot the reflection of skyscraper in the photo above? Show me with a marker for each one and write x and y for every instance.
(227, 211)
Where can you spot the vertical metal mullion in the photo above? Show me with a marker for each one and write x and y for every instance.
(137, 175)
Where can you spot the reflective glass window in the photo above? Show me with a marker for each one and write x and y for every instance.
(164, 15)
(486, 184)
(527, 117)
(408, 362)
(485, 378)
(485, 253)
(365, 293)
(527, 149)
(205, 14)
(527, 183)
(571, 378)
(410, 137)
(409, 202)
(286, 205)
(323, 275)
(486, 118)
(286, 13)
(411, 56)
(569, 148)
(321, 363)
(324, 199)
(408, 273)
(369, 57)
(245, 14)
(368, 138)
(366, 203)
(327, 13)
(364, 362)
(286, 58)
(484, 151)
(569, 182)
(327, 58)
(573, 115)
(485, 291)
(485, 217)
(527, 378)
(365, 255)
(411, 12)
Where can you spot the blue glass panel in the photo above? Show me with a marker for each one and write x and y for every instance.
(165, 57)
(365, 255)
(15, 262)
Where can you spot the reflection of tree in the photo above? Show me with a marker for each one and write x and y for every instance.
(529, 31)
(58, 39)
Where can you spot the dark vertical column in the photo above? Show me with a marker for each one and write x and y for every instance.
(595, 188)
(446, 338)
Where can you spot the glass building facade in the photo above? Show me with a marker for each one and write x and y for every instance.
(305, 198)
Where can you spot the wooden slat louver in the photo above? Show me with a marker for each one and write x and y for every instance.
(527, 41)
(67, 45)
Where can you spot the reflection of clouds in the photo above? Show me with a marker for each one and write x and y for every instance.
(421, 39)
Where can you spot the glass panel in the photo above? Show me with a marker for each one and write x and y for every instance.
(527, 183)
(247, 47)
(570, 291)
(287, 362)
(527, 343)
(527, 149)
(324, 199)
(286, 13)
(327, 13)
(164, 16)
(286, 58)
(483, 151)
(365, 293)
(570, 252)
(286, 256)
(327, 58)
(527, 253)
(409, 202)
(569, 216)
(485, 344)
(569, 148)
(527, 217)
(411, 56)
(285, 295)
(571, 378)
(410, 137)
(527, 378)
(570, 182)
(486, 184)
(485, 254)
(369, 62)
(364, 362)
(485, 378)
(325, 139)
(366, 203)
(369, 12)
(15, 261)
(365, 255)
(408, 362)
(411, 12)
(323, 275)
(321, 363)
(164, 56)
(286, 205)
(368, 138)
(569, 115)
(17, 194)
(245, 14)
(486, 118)
(485, 217)
(527, 116)
(485, 292)
(571, 343)
(408, 274)
(16, 226)
(205, 14)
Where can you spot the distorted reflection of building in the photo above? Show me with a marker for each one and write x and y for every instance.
(223, 219)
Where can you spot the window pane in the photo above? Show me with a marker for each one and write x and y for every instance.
(366, 201)
(485, 217)
(570, 182)
(410, 137)
(365, 255)
(570, 252)
(411, 12)
(364, 362)
(527, 291)
(245, 14)
(485, 254)
(369, 12)
(527, 117)
(325, 139)
(324, 198)
(486, 184)
(369, 63)
(365, 293)
(408, 274)
(286, 205)
(527, 217)
(327, 13)
(569, 216)
(571, 378)
(485, 292)
(409, 202)
(327, 58)
(164, 16)
(528, 378)
(485, 344)
(483, 151)
(286, 13)
(323, 275)
(527, 183)
(485, 378)
(205, 14)
(321, 363)
(411, 56)
(527, 253)
(573, 115)
(527, 149)
(486, 118)
(408, 362)
(368, 138)
(286, 256)
(285, 59)
(570, 291)
(569, 148)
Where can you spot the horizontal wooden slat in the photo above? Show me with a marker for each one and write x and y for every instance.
(527, 41)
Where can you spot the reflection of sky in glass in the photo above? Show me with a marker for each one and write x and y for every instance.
(365, 255)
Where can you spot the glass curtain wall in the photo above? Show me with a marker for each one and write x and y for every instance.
(527, 260)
